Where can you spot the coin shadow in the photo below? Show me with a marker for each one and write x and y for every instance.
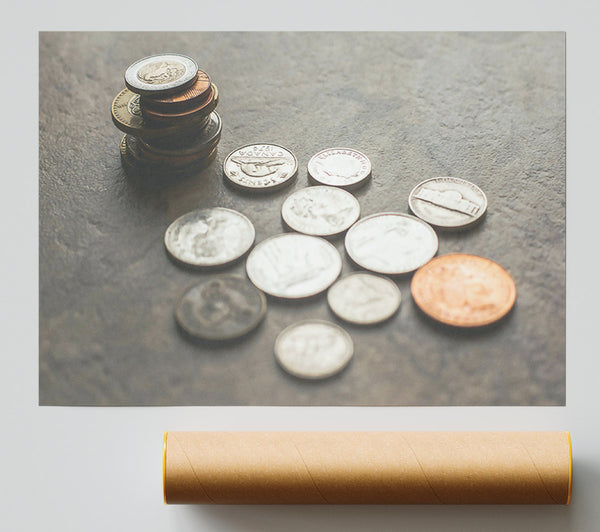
(259, 193)
(219, 345)
(474, 227)
(314, 383)
(463, 332)
(144, 180)
(219, 268)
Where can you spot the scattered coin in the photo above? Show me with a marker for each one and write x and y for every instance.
(260, 167)
(391, 243)
(313, 349)
(340, 167)
(159, 75)
(448, 202)
(463, 290)
(320, 211)
(364, 298)
(221, 308)
(209, 237)
(293, 265)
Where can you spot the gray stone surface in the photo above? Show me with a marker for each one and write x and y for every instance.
(487, 107)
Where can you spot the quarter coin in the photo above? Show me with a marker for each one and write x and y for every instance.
(391, 243)
(162, 74)
(448, 202)
(364, 298)
(463, 290)
(260, 167)
(291, 265)
(339, 167)
(221, 308)
(313, 349)
(209, 237)
(320, 211)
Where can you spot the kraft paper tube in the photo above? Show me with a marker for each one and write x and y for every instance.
(367, 467)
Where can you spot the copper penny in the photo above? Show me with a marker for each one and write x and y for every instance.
(182, 100)
(463, 290)
(204, 107)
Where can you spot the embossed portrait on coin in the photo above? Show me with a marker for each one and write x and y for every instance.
(161, 72)
(133, 106)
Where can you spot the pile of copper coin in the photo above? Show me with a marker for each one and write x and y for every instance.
(167, 113)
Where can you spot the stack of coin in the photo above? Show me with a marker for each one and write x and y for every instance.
(167, 113)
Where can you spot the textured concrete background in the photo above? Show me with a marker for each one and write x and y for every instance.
(488, 107)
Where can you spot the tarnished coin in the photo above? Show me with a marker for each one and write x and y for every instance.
(339, 167)
(313, 349)
(182, 100)
(128, 117)
(292, 265)
(260, 167)
(209, 237)
(221, 308)
(391, 243)
(135, 158)
(320, 211)
(364, 298)
(463, 290)
(161, 74)
(448, 202)
(203, 142)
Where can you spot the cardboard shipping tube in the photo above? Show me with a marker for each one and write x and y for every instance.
(367, 467)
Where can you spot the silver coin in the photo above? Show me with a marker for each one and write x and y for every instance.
(209, 237)
(364, 298)
(339, 167)
(313, 349)
(391, 243)
(221, 308)
(292, 265)
(320, 211)
(161, 74)
(448, 202)
(260, 167)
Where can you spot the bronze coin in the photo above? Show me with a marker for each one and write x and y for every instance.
(203, 108)
(463, 290)
(182, 100)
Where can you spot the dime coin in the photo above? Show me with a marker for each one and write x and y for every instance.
(339, 167)
(463, 290)
(184, 99)
(221, 308)
(320, 211)
(364, 298)
(127, 115)
(391, 243)
(313, 349)
(448, 202)
(161, 74)
(292, 265)
(209, 237)
(260, 167)
(202, 108)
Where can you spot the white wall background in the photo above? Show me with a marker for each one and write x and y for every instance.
(99, 469)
